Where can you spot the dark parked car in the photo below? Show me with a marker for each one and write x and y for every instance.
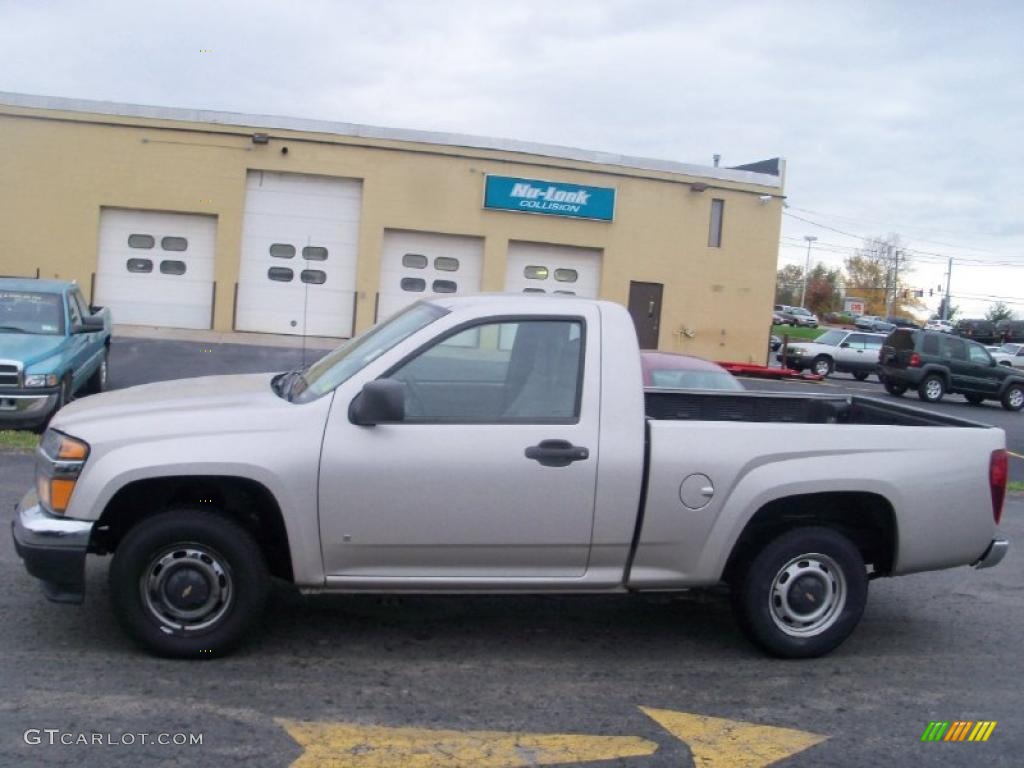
(1010, 331)
(668, 370)
(902, 322)
(774, 342)
(935, 363)
(981, 331)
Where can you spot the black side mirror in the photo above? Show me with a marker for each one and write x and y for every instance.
(88, 325)
(382, 401)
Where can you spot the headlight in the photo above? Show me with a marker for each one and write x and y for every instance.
(59, 462)
(41, 380)
(795, 351)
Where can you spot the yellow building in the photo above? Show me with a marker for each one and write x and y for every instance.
(192, 219)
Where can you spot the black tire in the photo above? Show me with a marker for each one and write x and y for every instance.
(861, 375)
(894, 389)
(825, 562)
(975, 399)
(821, 365)
(222, 561)
(932, 388)
(1013, 398)
(98, 381)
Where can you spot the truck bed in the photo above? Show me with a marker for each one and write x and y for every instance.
(796, 408)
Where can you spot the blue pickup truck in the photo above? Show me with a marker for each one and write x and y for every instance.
(52, 346)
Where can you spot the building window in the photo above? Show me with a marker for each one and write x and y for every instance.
(534, 290)
(715, 232)
(313, 276)
(282, 251)
(139, 265)
(536, 273)
(174, 243)
(314, 253)
(280, 274)
(170, 267)
(414, 284)
(566, 275)
(141, 241)
(446, 264)
(444, 286)
(414, 261)
(567, 293)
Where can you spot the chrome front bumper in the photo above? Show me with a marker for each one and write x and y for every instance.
(53, 549)
(994, 554)
(20, 409)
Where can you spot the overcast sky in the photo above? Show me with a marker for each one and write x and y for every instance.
(903, 117)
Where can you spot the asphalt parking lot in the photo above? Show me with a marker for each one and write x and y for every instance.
(489, 681)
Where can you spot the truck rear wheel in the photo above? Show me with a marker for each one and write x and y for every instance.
(188, 583)
(803, 594)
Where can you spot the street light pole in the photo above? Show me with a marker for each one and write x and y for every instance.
(807, 268)
(949, 279)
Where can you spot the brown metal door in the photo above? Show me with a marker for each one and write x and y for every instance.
(645, 307)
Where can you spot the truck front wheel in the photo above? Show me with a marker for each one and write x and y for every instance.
(188, 583)
(803, 594)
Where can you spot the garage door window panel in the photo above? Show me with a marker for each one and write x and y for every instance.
(444, 286)
(174, 243)
(494, 373)
(414, 284)
(139, 266)
(313, 276)
(446, 264)
(280, 274)
(282, 251)
(314, 253)
(534, 272)
(141, 241)
(415, 261)
(566, 275)
(172, 267)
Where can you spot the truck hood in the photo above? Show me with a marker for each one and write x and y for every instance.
(28, 348)
(167, 404)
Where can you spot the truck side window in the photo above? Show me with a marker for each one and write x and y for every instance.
(524, 371)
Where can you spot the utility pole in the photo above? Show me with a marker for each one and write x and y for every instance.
(949, 279)
(890, 297)
(807, 268)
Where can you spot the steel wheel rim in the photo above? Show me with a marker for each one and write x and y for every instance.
(821, 368)
(824, 589)
(1016, 398)
(194, 565)
(933, 389)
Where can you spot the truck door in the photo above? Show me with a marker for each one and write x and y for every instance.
(493, 471)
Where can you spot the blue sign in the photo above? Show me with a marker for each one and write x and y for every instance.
(553, 198)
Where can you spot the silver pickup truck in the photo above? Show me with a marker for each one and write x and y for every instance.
(499, 444)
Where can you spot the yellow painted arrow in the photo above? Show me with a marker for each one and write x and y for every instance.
(715, 743)
(347, 745)
(719, 743)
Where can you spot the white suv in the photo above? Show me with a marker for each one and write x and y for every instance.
(853, 352)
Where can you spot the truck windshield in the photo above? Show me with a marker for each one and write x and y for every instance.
(31, 312)
(338, 366)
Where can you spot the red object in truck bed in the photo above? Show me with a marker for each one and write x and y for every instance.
(767, 372)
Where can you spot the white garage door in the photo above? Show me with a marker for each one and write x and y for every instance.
(299, 249)
(541, 268)
(156, 268)
(418, 264)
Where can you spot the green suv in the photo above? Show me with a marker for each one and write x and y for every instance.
(935, 363)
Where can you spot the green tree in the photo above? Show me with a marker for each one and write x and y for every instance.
(824, 289)
(999, 311)
(788, 283)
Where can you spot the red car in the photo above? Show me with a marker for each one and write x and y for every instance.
(671, 371)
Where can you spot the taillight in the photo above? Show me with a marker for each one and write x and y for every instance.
(915, 361)
(998, 472)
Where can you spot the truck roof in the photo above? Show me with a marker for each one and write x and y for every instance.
(513, 301)
(38, 285)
